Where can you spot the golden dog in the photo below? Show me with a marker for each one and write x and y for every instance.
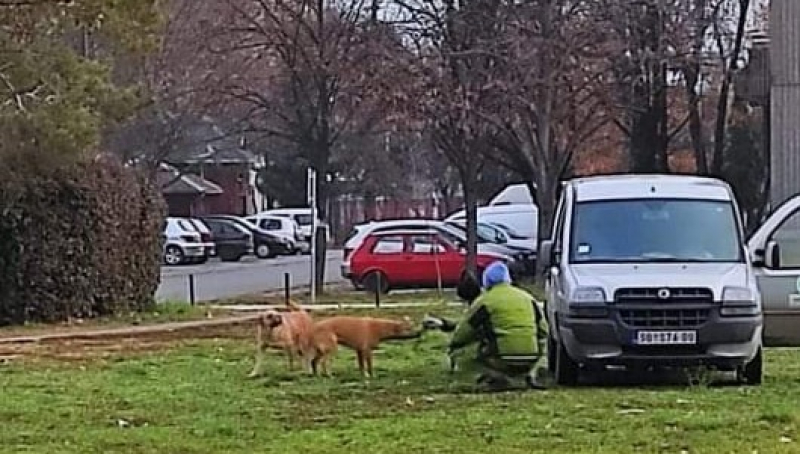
(288, 331)
(362, 334)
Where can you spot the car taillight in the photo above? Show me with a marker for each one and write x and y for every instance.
(189, 238)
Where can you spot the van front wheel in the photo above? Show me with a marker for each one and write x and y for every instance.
(752, 372)
(551, 354)
(566, 369)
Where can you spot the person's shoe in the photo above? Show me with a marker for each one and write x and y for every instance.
(534, 384)
(431, 322)
(537, 380)
(491, 383)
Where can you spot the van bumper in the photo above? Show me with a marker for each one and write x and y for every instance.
(722, 342)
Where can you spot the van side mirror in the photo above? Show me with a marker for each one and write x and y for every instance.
(772, 255)
(547, 253)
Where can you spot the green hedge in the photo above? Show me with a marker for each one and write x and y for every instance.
(82, 241)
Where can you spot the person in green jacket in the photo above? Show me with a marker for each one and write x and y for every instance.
(509, 328)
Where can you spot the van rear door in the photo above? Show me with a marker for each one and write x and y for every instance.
(775, 251)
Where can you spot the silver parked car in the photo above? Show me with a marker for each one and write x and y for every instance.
(653, 270)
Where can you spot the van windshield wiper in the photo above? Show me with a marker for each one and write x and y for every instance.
(640, 259)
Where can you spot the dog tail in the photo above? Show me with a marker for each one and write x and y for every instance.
(293, 306)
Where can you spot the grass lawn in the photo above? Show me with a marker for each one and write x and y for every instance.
(192, 396)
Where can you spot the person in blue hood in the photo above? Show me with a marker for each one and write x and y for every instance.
(508, 327)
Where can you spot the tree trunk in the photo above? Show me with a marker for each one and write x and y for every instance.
(642, 153)
(661, 120)
(695, 121)
(471, 212)
(693, 76)
(724, 92)
(546, 201)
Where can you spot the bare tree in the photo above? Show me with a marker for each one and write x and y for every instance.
(550, 94)
(170, 80)
(300, 71)
(454, 63)
(730, 55)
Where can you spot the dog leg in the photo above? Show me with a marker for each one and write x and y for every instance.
(314, 363)
(259, 353)
(324, 366)
(290, 358)
(368, 360)
(329, 360)
(360, 355)
(257, 369)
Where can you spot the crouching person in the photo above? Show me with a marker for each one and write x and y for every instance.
(510, 332)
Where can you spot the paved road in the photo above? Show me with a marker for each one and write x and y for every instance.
(215, 280)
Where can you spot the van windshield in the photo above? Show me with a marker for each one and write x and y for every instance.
(655, 230)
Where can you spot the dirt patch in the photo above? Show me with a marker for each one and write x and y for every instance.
(117, 344)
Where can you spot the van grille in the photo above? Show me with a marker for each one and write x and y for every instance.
(684, 295)
(664, 318)
(685, 307)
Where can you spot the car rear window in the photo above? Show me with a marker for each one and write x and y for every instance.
(187, 225)
(388, 245)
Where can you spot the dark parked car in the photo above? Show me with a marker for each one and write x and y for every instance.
(232, 240)
(525, 256)
(265, 244)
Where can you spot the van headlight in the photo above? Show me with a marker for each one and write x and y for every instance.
(588, 295)
(738, 302)
(588, 302)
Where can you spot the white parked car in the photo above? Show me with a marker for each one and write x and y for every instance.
(183, 243)
(303, 218)
(206, 236)
(284, 228)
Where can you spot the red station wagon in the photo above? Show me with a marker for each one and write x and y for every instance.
(410, 258)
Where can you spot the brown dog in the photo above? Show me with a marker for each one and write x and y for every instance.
(287, 331)
(362, 334)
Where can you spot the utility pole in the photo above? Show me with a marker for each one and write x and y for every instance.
(312, 202)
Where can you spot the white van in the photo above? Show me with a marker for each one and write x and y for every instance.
(650, 271)
(522, 218)
(513, 194)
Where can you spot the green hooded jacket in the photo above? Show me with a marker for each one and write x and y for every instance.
(506, 320)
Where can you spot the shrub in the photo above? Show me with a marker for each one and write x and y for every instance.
(80, 241)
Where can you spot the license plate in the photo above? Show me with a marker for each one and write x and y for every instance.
(666, 338)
